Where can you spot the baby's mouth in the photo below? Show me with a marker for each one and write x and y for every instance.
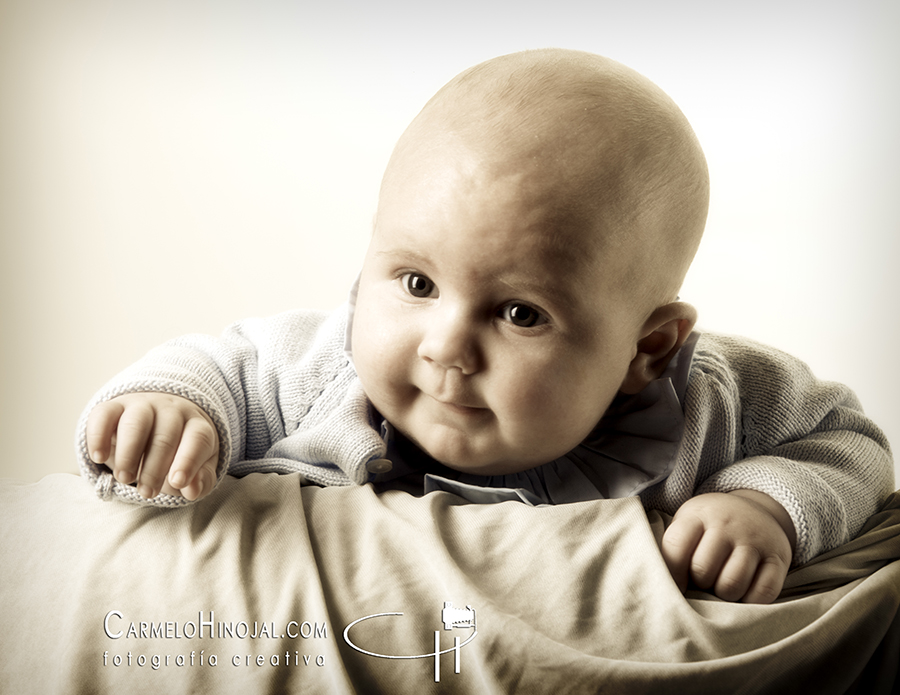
(463, 406)
(461, 409)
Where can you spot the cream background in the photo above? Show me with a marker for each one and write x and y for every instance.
(169, 167)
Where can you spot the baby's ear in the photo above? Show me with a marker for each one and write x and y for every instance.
(662, 336)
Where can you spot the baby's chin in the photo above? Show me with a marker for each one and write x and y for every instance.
(463, 452)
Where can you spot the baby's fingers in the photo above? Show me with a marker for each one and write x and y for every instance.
(162, 443)
(193, 470)
(678, 544)
(709, 559)
(203, 482)
(101, 425)
(132, 432)
(737, 574)
(768, 582)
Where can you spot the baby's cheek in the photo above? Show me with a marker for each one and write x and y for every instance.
(384, 369)
(537, 404)
(374, 333)
(563, 407)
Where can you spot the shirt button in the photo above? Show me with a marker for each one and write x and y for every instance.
(379, 466)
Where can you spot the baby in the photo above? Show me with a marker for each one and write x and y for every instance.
(516, 334)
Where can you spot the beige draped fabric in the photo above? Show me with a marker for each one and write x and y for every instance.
(270, 587)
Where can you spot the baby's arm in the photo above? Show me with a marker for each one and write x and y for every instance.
(739, 544)
(162, 442)
(756, 418)
(253, 384)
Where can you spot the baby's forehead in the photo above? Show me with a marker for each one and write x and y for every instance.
(550, 187)
(600, 151)
(561, 148)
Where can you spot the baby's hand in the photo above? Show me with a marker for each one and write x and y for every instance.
(740, 544)
(175, 438)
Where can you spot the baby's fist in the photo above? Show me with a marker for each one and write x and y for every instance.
(161, 442)
(738, 544)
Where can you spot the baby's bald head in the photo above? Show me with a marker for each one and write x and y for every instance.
(534, 225)
(610, 151)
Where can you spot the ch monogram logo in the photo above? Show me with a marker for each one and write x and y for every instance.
(452, 618)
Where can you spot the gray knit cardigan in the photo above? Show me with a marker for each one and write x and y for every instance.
(285, 398)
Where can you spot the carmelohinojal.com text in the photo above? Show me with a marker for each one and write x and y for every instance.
(117, 627)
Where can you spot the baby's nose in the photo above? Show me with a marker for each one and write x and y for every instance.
(450, 341)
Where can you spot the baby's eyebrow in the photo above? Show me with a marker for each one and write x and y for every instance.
(557, 293)
(408, 255)
(517, 283)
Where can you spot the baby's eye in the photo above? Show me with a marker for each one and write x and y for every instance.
(418, 285)
(522, 315)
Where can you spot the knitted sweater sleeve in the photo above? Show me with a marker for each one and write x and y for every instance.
(758, 419)
(238, 379)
